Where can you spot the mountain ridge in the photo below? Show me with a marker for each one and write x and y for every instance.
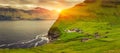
(38, 13)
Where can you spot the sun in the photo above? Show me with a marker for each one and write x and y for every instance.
(59, 10)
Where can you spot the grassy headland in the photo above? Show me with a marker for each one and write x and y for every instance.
(90, 27)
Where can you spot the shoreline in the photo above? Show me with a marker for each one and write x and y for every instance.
(37, 41)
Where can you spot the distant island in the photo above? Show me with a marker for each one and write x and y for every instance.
(9, 13)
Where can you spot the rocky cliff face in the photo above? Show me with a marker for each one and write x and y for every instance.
(90, 10)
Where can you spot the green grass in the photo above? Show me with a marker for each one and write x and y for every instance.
(99, 19)
(70, 42)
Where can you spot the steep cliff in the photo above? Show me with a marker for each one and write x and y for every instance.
(89, 11)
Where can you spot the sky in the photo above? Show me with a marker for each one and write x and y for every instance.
(48, 4)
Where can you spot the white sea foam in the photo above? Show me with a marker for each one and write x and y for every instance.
(37, 41)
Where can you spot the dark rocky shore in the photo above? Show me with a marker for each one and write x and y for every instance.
(37, 41)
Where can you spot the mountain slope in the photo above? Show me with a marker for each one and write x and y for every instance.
(91, 11)
(94, 10)
(89, 27)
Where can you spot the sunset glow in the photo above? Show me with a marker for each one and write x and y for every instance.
(47, 4)
(59, 10)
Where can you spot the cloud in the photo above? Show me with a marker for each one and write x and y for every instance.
(49, 4)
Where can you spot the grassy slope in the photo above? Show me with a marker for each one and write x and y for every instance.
(90, 18)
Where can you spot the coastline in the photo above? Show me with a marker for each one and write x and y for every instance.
(37, 41)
